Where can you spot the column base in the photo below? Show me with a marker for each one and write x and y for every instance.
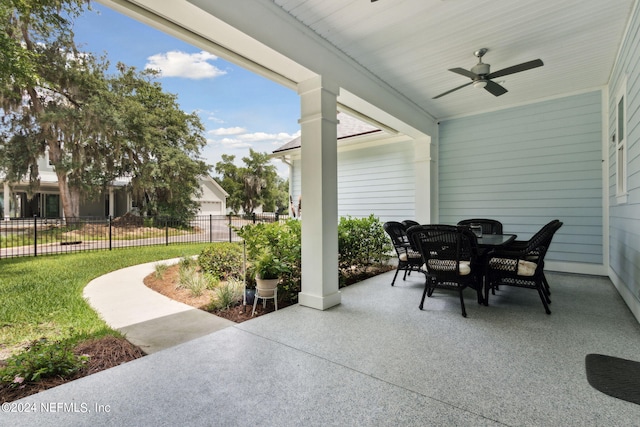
(319, 302)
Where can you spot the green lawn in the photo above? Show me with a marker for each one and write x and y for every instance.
(42, 297)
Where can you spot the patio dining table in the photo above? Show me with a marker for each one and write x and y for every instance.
(491, 241)
(486, 243)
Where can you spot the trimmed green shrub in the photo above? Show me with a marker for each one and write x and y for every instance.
(362, 242)
(222, 260)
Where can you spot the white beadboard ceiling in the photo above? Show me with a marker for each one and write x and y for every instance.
(411, 44)
(407, 46)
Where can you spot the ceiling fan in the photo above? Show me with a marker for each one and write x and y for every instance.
(481, 77)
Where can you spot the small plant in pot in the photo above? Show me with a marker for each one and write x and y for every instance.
(268, 271)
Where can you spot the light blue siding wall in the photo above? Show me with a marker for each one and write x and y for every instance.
(624, 218)
(376, 180)
(526, 166)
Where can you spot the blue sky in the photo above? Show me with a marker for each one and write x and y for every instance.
(239, 109)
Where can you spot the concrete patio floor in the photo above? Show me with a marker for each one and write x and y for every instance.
(374, 360)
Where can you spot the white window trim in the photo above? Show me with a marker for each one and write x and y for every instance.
(621, 147)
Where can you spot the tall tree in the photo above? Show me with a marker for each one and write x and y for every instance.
(230, 179)
(159, 145)
(280, 194)
(256, 184)
(46, 94)
(94, 127)
(257, 174)
(24, 24)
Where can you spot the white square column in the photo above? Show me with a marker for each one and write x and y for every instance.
(319, 166)
(424, 203)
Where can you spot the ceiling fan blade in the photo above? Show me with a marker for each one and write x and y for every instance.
(494, 88)
(452, 90)
(516, 69)
(464, 72)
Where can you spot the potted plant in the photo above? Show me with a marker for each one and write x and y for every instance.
(268, 270)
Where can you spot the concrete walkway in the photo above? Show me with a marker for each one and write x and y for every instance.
(148, 319)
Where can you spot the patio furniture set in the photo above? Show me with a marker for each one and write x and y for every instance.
(474, 253)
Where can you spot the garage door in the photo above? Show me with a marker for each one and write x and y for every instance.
(210, 208)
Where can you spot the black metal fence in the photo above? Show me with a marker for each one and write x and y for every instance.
(45, 236)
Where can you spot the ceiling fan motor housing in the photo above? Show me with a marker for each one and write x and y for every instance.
(480, 69)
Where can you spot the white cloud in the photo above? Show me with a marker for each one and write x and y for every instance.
(281, 137)
(228, 143)
(207, 115)
(227, 140)
(213, 118)
(181, 64)
(228, 131)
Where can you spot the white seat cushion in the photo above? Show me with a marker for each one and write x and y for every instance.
(449, 264)
(525, 268)
(412, 255)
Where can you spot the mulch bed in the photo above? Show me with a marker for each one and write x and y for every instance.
(104, 353)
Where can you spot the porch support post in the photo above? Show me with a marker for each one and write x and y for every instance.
(7, 201)
(422, 165)
(319, 166)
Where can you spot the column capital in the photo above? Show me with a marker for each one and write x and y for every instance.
(422, 150)
(318, 83)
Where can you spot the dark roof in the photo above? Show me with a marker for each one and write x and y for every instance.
(348, 127)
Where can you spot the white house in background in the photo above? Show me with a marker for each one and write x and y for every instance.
(117, 201)
(213, 200)
(376, 173)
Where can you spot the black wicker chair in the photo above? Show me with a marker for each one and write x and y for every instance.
(522, 266)
(489, 226)
(409, 223)
(408, 259)
(521, 244)
(449, 254)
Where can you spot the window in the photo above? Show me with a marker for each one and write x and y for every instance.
(621, 145)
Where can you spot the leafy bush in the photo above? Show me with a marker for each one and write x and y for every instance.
(267, 266)
(42, 359)
(221, 260)
(283, 241)
(362, 242)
